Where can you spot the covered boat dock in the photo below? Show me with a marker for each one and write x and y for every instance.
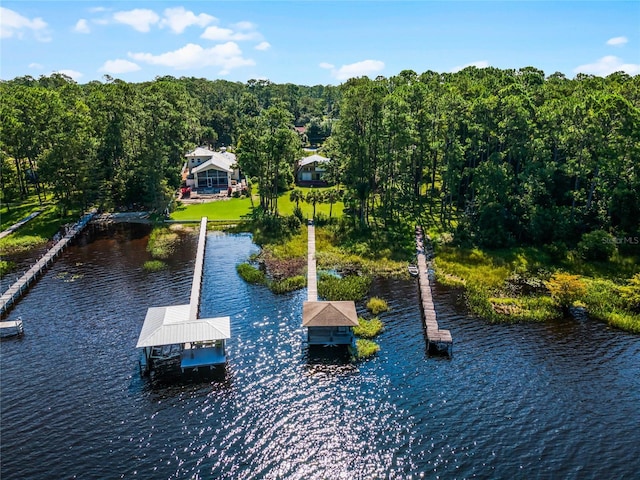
(176, 333)
(327, 323)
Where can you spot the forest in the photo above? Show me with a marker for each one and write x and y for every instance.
(496, 157)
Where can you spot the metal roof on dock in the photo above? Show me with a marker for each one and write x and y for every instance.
(171, 325)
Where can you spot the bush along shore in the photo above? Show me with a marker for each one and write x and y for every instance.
(527, 284)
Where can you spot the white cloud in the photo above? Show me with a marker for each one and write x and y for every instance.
(119, 66)
(478, 64)
(358, 69)
(608, 65)
(326, 65)
(140, 19)
(82, 26)
(263, 46)
(12, 24)
(98, 9)
(227, 56)
(178, 19)
(244, 26)
(36, 66)
(617, 41)
(219, 34)
(70, 73)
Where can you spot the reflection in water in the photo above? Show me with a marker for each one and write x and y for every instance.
(554, 400)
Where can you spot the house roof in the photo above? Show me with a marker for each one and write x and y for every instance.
(219, 160)
(312, 159)
(329, 314)
(200, 152)
(171, 325)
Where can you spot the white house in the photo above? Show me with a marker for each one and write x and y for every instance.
(311, 169)
(211, 170)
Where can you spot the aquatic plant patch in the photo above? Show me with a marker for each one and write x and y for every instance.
(162, 243)
(154, 265)
(366, 348)
(377, 305)
(288, 284)
(368, 328)
(351, 287)
(250, 274)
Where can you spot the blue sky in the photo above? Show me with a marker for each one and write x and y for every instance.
(312, 42)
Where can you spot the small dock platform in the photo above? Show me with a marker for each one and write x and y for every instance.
(20, 287)
(11, 328)
(438, 341)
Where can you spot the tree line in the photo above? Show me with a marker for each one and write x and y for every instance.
(119, 144)
(500, 157)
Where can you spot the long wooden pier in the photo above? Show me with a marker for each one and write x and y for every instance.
(439, 341)
(312, 278)
(15, 291)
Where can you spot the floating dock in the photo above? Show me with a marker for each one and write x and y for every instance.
(20, 287)
(438, 341)
(11, 328)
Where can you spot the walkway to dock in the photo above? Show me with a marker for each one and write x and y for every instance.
(327, 322)
(312, 278)
(437, 340)
(15, 291)
(17, 225)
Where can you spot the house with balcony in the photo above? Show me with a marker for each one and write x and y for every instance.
(206, 170)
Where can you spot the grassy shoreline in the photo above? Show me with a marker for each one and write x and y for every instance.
(512, 285)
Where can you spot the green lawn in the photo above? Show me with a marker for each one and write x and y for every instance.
(237, 208)
(37, 231)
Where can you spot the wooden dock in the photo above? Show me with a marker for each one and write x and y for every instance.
(438, 341)
(177, 332)
(15, 291)
(312, 278)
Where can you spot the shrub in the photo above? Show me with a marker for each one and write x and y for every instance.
(630, 293)
(366, 348)
(557, 251)
(351, 287)
(250, 274)
(565, 289)
(368, 328)
(6, 267)
(154, 265)
(299, 214)
(597, 245)
(288, 284)
(377, 305)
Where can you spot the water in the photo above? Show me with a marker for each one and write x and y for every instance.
(558, 400)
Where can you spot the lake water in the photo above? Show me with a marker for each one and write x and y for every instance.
(555, 400)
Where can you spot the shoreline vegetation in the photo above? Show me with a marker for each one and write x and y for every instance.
(527, 182)
(507, 285)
